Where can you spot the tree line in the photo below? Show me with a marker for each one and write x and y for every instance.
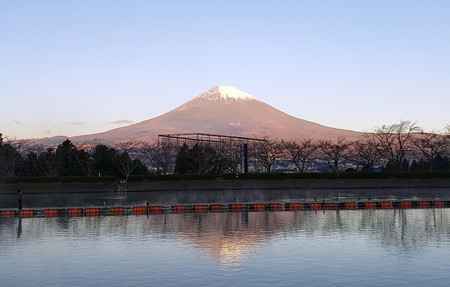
(398, 147)
(23, 158)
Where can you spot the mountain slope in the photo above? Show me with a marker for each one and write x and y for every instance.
(222, 110)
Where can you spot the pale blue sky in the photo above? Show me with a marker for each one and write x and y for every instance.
(75, 67)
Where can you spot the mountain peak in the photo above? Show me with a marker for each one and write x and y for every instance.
(227, 93)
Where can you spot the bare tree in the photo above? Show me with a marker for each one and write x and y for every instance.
(334, 152)
(366, 152)
(231, 152)
(431, 145)
(268, 151)
(128, 158)
(11, 155)
(84, 158)
(394, 140)
(205, 157)
(301, 152)
(446, 132)
(46, 163)
(159, 155)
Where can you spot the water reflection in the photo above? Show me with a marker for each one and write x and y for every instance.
(287, 248)
(229, 238)
(19, 227)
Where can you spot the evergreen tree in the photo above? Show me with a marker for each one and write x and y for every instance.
(182, 166)
(104, 163)
(66, 154)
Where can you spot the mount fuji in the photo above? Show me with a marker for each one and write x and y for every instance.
(222, 110)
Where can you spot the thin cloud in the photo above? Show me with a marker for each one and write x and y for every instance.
(75, 123)
(121, 122)
(17, 122)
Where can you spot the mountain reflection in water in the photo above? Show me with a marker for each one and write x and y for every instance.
(395, 247)
(228, 238)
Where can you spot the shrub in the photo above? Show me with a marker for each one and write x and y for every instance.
(403, 175)
(269, 175)
(81, 179)
(230, 176)
(433, 174)
(181, 177)
(49, 179)
(313, 175)
(108, 178)
(364, 175)
(136, 178)
(31, 179)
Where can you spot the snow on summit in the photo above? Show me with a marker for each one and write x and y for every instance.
(226, 93)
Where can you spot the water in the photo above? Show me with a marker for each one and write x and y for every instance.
(167, 197)
(290, 248)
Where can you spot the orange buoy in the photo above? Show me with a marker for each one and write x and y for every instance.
(330, 206)
(75, 211)
(26, 213)
(405, 204)
(424, 204)
(117, 210)
(51, 212)
(139, 210)
(438, 204)
(237, 207)
(351, 205)
(179, 209)
(216, 207)
(386, 205)
(8, 213)
(315, 206)
(200, 208)
(259, 207)
(295, 206)
(92, 211)
(156, 209)
(370, 205)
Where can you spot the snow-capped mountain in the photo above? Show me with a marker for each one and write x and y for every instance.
(222, 110)
(225, 93)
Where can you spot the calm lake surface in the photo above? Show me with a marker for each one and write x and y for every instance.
(167, 197)
(408, 247)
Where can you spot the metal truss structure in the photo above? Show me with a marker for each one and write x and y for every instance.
(223, 144)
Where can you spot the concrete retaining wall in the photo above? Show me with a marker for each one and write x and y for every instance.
(56, 187)
(221, 184)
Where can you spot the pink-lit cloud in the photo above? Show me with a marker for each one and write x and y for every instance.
(121, 122)
(75, 123)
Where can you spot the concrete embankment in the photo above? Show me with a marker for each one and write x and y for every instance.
(221, 184)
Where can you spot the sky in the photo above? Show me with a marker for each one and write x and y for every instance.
(78, 67)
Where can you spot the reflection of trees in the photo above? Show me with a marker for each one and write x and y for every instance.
(229, 237)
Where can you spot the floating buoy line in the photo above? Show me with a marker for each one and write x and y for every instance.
(218, 207)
